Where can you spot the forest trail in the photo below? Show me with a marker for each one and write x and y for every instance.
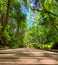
(25, 56)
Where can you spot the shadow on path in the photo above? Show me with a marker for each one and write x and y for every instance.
(27, 56)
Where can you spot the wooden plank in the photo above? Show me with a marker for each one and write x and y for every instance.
(27, 56)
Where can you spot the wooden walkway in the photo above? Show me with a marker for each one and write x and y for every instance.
(27, 56)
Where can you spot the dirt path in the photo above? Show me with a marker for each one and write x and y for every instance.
(25, 56)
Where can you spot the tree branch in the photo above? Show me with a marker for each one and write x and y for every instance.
(46, 11)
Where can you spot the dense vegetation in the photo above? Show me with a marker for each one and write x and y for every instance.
(29, 23)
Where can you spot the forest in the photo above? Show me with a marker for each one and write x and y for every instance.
(29, 24)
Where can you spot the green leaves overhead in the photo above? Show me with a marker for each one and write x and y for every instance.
(56, 0)
(30, 24)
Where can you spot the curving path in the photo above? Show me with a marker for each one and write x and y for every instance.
(28, 56)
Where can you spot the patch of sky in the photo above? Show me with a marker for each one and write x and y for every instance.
(34, 4)
(32, 1)
(27, 12)
(30, 15)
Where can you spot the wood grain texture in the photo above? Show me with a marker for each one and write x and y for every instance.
(27, 56)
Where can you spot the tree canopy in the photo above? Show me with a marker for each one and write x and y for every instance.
(29, 23)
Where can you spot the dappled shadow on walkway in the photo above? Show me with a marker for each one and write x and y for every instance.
(27, 56)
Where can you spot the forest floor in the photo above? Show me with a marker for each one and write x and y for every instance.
(28, 56)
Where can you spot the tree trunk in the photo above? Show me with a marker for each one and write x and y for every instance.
(6, 20)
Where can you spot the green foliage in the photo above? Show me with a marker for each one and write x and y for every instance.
(43, 32)
(0, 27)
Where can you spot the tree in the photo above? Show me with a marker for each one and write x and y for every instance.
(25, 23)
(46, 20)
(6, 20)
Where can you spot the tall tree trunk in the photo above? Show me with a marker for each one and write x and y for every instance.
(6, 20)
